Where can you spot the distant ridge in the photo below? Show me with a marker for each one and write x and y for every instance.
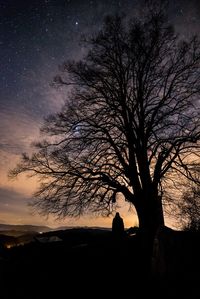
(25, 227)
(81, 227)
(43, 228)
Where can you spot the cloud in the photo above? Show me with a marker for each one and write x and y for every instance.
(13, 206)
(14, 209)
(12, 201)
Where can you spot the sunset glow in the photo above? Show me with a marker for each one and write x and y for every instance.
(36, 39)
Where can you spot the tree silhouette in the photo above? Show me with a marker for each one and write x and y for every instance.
(129, 125)
(189, 206)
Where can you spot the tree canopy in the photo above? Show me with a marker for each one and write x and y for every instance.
(130, 124)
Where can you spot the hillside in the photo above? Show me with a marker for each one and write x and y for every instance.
(90, 263)
(23, 228)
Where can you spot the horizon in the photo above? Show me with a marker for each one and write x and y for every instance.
(67, 226)
(130, 220)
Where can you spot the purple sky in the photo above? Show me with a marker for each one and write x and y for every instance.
(36, 36)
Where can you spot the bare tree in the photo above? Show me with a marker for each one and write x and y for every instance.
(128, 127)
(189, 206)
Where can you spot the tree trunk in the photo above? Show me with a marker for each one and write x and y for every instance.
(150, 215)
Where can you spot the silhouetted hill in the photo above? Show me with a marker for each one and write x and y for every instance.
(24, 228)
(18, 230)
(91, 263)
(83, 263)
(78, 235)
(25, 234)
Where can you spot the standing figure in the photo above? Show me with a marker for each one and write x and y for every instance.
(118, 225)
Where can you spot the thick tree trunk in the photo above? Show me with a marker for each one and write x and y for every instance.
(148, 205)
(150, 215)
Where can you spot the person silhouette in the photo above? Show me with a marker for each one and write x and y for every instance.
(118, 225)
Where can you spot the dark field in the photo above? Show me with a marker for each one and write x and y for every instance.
(89, 263)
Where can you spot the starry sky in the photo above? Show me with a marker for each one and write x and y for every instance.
(37, 36)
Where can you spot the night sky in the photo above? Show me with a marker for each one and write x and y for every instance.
(35, 38)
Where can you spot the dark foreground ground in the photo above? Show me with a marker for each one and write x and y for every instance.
(90, 264)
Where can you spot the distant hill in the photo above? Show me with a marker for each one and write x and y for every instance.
(15, 230)
(82, 227)
(20, 230)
